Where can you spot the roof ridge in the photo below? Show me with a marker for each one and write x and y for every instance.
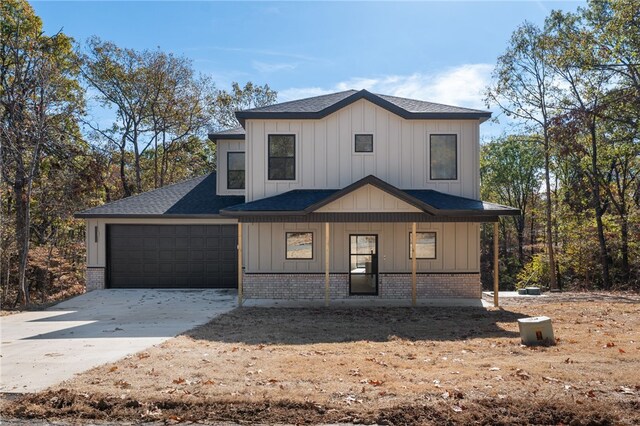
(301, 99)
(126, 199)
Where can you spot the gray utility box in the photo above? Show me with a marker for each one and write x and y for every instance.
(536, 331)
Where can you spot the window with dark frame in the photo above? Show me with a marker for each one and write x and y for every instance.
(443, 157)
(364, 143)
(425, 245)
(235, 170)
(282, 157)
(299, 245)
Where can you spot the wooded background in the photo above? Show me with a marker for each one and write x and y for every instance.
(88, 122)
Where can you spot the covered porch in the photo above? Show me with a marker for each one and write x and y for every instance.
(367, 241)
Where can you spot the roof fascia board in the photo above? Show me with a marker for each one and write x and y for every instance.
(214, 137)
(146, 216)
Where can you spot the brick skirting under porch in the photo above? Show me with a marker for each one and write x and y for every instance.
(95, 278)
(390, 286)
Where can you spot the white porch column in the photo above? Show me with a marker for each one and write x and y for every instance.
(414, 265)
(326, 263)
(496, 266)
(239, 263)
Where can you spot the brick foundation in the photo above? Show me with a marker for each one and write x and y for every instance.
(95, 279)
(390, 286)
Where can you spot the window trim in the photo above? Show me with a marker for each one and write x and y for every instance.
(286, 245)
(457, 146)
(373, 139)
(244, 170)
(435, 251)
(295, 157)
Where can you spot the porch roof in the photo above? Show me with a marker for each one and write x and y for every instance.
(304, 204)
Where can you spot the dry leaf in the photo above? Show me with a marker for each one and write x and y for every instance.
(143, 355)
(456, 408)
(179, 381)
(609, 345)
(112, 369)
(122, 384)
(622, 351)
(626, 390)
(376, 382)
(522, 374)
(591, 394)
(209, 382)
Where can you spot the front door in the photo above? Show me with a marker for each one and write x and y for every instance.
(363, 264)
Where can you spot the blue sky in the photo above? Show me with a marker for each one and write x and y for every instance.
(437, 51)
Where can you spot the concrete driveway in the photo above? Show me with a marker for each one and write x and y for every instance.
(40, 349)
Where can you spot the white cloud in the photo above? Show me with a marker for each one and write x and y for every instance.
(462, 85)
(273, 67)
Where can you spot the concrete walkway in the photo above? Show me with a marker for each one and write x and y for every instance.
(40, 349)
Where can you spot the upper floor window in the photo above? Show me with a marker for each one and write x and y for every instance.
(282, 157)
(235, 170)
(443, 155)
(364, 143)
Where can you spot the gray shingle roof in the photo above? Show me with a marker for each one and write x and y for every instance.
(235, 133)
(313, 104)
(194, 197)
(320, 106)
(305, 201)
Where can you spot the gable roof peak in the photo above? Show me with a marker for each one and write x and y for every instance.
(318, 107)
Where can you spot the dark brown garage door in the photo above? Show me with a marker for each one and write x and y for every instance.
(172, 256)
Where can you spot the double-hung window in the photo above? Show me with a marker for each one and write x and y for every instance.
(282, 157)
(235, 170)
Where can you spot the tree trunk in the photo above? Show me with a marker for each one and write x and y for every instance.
(599, 211)
(553, 282)
(123, 175)
(624, 249)
(22, 235)
(520, 225)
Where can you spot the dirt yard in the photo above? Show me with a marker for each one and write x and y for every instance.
(378, 365)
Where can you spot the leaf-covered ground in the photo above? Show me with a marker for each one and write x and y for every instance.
(378, 365)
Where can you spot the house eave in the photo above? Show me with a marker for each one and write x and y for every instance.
(147, 216)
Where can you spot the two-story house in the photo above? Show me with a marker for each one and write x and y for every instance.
(351, 194)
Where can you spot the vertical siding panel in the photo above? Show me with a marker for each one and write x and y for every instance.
(333, 164)
(406, 171)
(461, 262)
(320, 155)
(344, 146)
(381, 143)
(449, 246)
(307, 160)
(472, 247)
(394, 151)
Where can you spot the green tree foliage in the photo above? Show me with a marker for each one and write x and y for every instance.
(523, 88)
(239, 98)
(592, 63)
(40, 102)
(510, 170)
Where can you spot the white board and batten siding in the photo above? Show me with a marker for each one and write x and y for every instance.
(457, 247)
(325, 157)
(368, 199)
(223, 147)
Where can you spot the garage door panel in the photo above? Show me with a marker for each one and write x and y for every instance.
(172, 256)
